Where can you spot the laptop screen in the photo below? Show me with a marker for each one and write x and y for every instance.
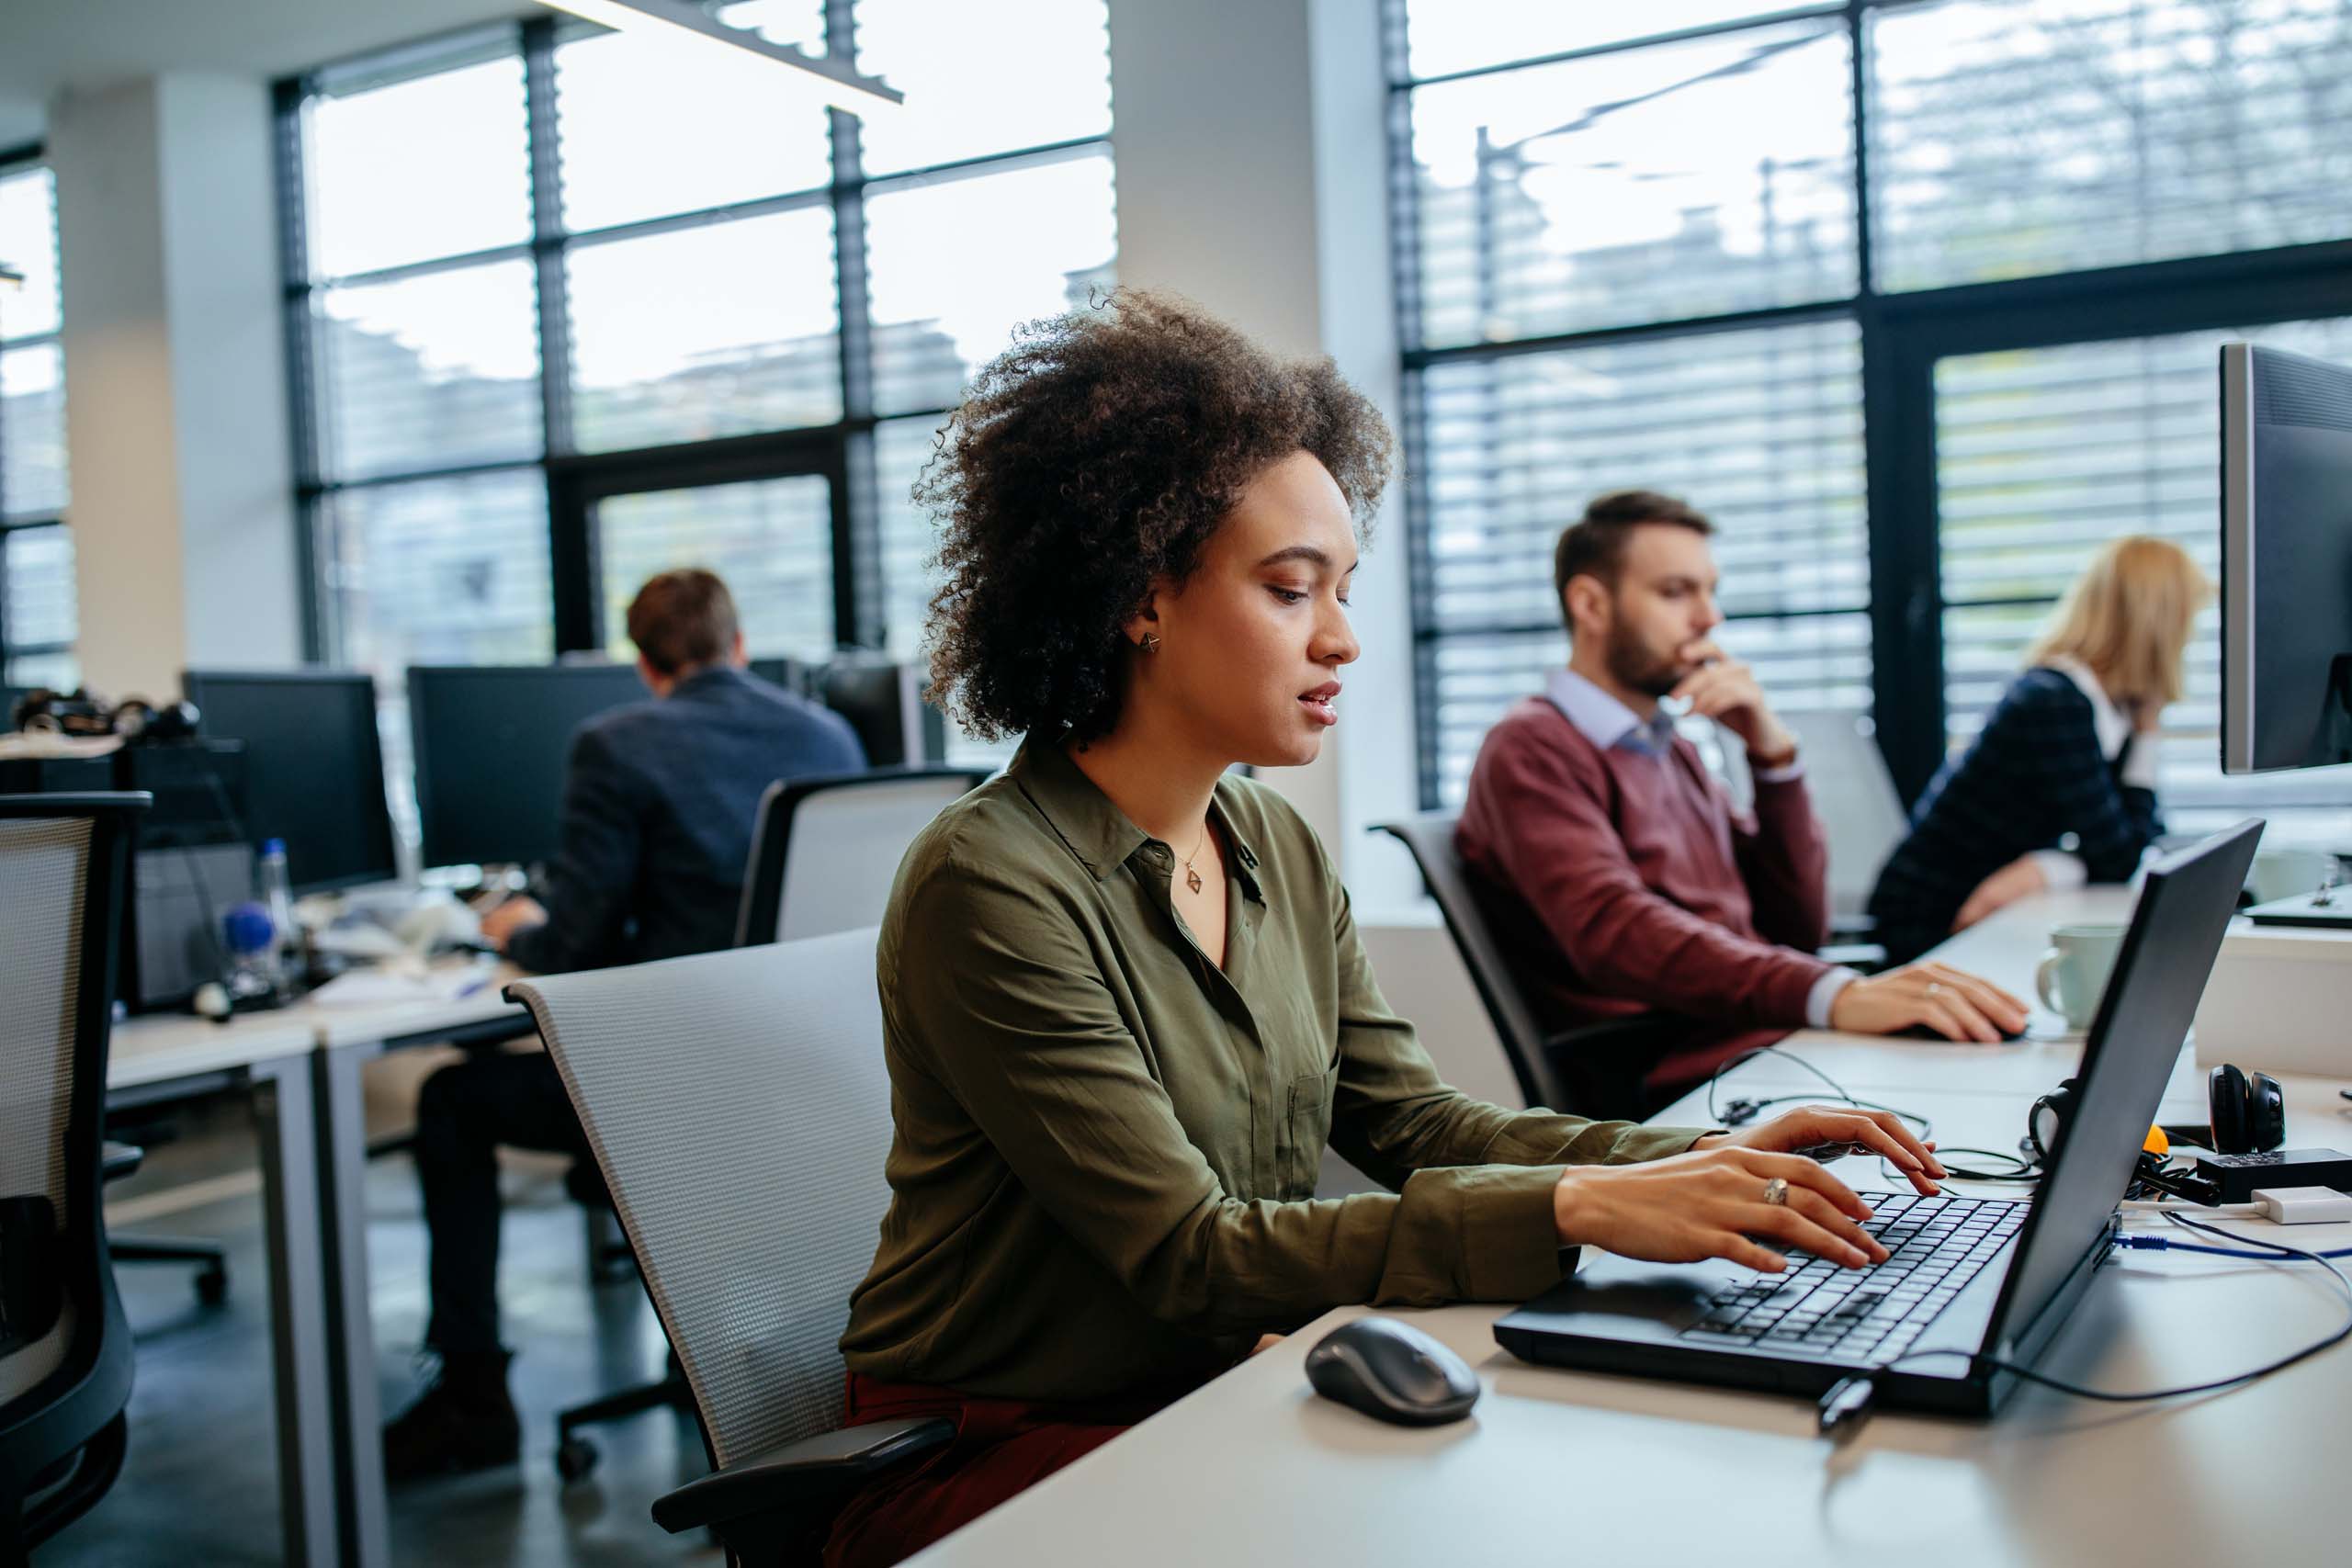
(2143, 1017)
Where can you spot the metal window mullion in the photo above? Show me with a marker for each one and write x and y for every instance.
(571, 546)
(856, 500)
(287, 100)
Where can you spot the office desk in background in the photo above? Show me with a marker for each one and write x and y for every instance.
(302, 1066)
(266, 1058)
(1554, 1466)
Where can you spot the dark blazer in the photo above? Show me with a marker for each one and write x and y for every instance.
(657, 812)
(2034, 776)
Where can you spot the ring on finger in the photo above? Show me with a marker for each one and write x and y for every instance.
(1935, 989)
(1776, 1191)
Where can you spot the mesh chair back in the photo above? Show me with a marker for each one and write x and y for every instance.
(65, 1350)
(1860, 810)
(739, 1107)
(825, 849)
(1430, 835)
(44, 870)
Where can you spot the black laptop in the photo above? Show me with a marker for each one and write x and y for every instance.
(1987, 1276)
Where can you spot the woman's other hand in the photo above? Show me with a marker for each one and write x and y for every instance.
(1714, 1202)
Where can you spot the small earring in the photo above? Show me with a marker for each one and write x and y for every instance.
(1149, 643)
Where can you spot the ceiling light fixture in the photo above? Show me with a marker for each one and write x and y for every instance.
(829, 80)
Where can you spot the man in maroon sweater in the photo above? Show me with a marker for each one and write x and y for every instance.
(1620, 881)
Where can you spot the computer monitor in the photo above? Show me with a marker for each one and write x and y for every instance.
(491, 743)
(883, 702)
(2286, 560)
(797, 676)
(314, 768)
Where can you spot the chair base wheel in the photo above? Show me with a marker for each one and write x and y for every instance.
(574, 1458)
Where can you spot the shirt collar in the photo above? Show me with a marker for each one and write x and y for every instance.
(1605, 721)
(1096, 830)
(2108, 721)
(709, 678)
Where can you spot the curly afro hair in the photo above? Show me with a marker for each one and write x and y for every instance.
(1096, 454)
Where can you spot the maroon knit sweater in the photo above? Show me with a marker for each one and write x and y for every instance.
(1620, 884)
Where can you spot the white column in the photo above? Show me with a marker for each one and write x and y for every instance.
(182, 506)
(1253, 167)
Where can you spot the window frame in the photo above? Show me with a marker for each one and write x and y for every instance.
(14, 160)
(841, 451)
(1903, 335)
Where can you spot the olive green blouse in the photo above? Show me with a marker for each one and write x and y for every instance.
(1103, 1173)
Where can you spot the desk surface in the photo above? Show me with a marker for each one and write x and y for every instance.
(157, 1047)
(1557, 1466)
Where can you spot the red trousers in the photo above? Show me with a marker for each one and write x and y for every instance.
(1002, 1448)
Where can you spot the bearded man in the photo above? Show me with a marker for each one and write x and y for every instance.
(1624, 886)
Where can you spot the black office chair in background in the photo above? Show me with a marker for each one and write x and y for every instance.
(65, 1355)
(824, 853)
(825, 849)
(1593, 1071)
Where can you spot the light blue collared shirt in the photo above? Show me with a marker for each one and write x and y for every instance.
(1608, 723)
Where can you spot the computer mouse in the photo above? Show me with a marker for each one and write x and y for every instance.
(1392, 1371)
(1928, 1031)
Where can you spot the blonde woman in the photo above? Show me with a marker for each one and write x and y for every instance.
(2067, 754)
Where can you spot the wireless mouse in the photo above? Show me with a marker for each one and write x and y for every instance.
(1392, 1371)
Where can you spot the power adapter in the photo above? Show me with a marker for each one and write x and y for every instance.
(2303, 1205)
(2235, 1179)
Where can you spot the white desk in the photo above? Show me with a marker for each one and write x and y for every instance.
(346, 1039)
(302, 1066)
(267, 1057)
(1558, 1466)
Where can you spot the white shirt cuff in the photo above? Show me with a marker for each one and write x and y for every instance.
(1781, 775)
(1824, 994)
(2062, 872)
(2140, 763)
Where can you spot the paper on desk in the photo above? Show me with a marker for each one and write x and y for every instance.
(386, 985)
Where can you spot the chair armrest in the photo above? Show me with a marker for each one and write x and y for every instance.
(816, 1470)
(115, 1160)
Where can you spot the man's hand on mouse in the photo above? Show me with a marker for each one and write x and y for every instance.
(1955, 1004)
(1725, 689)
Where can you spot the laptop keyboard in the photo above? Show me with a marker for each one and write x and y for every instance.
(1935, 1246)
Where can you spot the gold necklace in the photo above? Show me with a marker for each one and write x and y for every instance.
(1191, 877)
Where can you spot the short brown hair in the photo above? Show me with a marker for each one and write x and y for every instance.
(1594, 545)
(681, 620)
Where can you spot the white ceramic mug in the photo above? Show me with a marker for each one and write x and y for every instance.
(2073, 971)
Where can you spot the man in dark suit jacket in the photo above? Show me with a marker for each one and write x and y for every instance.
(658, 812)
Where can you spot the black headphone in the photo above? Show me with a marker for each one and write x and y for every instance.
(83, 712)
(2245, 1114)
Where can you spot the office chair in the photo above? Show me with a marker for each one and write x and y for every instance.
(825, 849)
(748, 1175)
(65, 1354)
(1596, 1070)
(824, 852)
(118, 1160)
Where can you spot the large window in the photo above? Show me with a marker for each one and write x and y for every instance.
(572, 306)
(1919, 300)
(36, 552)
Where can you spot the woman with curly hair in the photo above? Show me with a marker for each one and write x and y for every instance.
(1124, 1003)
